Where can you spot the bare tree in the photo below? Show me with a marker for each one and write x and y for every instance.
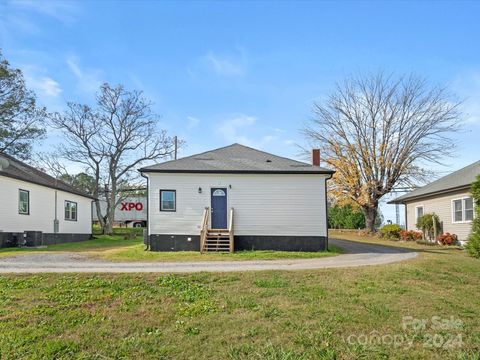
(110, 141)
(379, 131)
(21, 120)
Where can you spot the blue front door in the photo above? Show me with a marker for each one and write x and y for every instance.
(219, 208)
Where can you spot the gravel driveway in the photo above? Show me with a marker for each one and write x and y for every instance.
(356, 254)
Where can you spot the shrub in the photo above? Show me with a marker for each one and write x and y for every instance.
(410, 235)
(426, 224)
(345, 217)
(391, 231)
(447, 239)
(473, 244)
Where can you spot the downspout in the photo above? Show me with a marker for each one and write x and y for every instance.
(92, 204)
(148, 211)
(406, 224)
(326, 206)
(55, 221)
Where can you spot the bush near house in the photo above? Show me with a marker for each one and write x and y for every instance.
(410, 235)
(428, 223)
(447, 239)
(473, 244)
(345, 217)
(390, 231)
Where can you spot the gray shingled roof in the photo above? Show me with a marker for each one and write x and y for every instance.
(236, 158)
(459, 179)
(17, 169)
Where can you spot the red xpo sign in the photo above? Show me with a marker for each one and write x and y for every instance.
(129, 206)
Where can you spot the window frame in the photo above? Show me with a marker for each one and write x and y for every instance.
(416, 212)
(28, 202)
(462, 201)
(174, 200)
(65, 207)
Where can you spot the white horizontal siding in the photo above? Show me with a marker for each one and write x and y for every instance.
(285, 205)
(42, 209)
(442, 206)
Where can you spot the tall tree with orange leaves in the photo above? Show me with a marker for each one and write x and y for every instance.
(379, 132)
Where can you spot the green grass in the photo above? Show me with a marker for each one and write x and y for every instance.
(100, 243)
(119, 231)
(121, 248)
(252, 315)
(137, 253)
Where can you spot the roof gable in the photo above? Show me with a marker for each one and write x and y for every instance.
(459, 179)
(17, 169)
(236, 158)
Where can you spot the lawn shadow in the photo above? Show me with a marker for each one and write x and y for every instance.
(357, 247)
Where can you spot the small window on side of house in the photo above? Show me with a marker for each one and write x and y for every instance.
(23, 202)
(457, 210)
(70, 210)
(168, 200)
(462, 210)
(468, 205)
(418, 212)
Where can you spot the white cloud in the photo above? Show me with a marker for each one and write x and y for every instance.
(227, 65)
(240, 128)
(44, 85)
(192, 122)
(224, 66)
(89, 80)
(233, 129)
(63, 11)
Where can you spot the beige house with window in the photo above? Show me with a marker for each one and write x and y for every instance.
(449, 197)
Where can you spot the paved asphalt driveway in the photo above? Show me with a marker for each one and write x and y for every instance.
(356, 254)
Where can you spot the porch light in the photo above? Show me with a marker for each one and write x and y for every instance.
(199, 190)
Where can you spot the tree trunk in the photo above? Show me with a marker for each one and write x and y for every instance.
(370, 212)
(110, 214)
(108, 228)
(101, 221)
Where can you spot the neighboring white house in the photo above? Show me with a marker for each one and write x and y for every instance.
(278, 203)
(39, 209)
(449, 197)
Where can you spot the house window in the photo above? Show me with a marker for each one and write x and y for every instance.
(462, 210)
(24, 202)
(70, 210)
(418, 212)
(168, 200)
(468, 209)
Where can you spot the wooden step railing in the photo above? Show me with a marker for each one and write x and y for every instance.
(204, 231)
(217, 239)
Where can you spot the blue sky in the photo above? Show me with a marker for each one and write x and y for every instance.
(248, 72)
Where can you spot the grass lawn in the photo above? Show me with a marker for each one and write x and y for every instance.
(322, 314)
(137, 253)
(119, 248)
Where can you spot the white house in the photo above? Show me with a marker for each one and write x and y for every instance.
(39, 209)
(449, 197)
(238, 197)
